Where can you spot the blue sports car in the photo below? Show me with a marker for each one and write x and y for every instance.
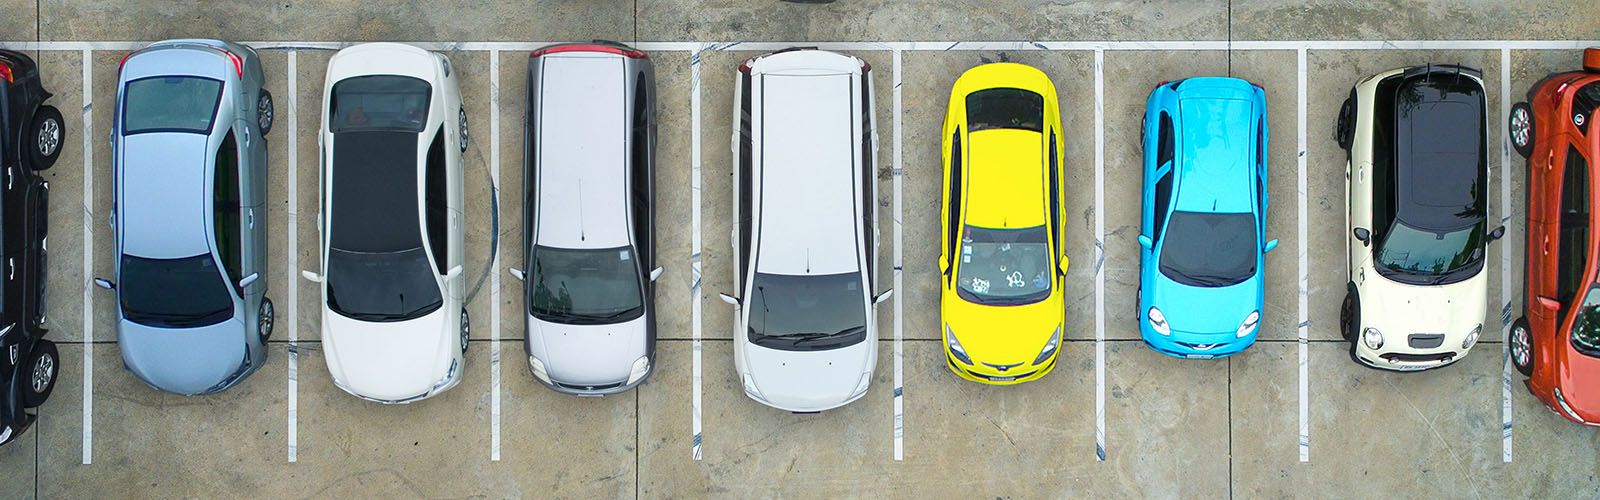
(1201, 233)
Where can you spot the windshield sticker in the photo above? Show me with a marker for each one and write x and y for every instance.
(980, 285)
(623, 254)
(1039, 281)
(1014, 280)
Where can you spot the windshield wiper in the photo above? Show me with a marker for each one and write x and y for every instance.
(808, 337)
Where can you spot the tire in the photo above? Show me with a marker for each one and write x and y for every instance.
(48, 133)
(1520, 343)
(44, 366)
(1344, 129)
(266, 319)
(462, 119)
(1349, 314)
(466, 330)
(264, 111)
(1520, 129)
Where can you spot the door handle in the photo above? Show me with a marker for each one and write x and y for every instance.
(1547, 244)
(11, 268)
(250, 215)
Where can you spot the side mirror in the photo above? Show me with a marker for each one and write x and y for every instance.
(656, 273)
(105, 283)
(1062, 267)
(883, 296)
(1497, 233)
(1549, 303)
(517, 273)
(247, 280)
(310, 276)
(729, 299)
(453, 273)
(1363, 234)
(944, 265)
(1270, 245)
(1146, 242)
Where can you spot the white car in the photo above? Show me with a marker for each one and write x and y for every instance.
(804, 240)
(1416, 178)
(394, 328)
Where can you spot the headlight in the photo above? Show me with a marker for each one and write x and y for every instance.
(955, 346)
(1249, 325)
(538, 370)
(1472, 338)
(1372, 337)
(448, 376)
(641, 367)
(1158, 321)
(750, 387)
(1049, 347)
(1563, 402)
(866, 380)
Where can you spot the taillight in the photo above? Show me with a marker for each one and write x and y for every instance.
(238, 64)
(124, 60)
(632, 54)
(5, 72)
(744, 67)
(1163, 82)
(1263, 89)
(865, 66)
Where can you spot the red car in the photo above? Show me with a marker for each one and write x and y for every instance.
(1557, 341)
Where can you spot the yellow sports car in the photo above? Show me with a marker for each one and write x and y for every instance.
(1002, 264)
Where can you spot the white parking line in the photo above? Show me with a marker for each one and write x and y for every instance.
(1505, 259)
(1304, 258)
(694, 241)
(899, 292)
(1100, 255)
(88, 257)
(292, 248)
(494, 267)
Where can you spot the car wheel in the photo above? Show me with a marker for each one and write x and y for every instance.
(462, 118)
(466, 330)
(1520, 127)
(264, 113)
(1344, 129)
(43, 365)
(1349, 315)
(1521, 345)
(265, 319)
(47, 134)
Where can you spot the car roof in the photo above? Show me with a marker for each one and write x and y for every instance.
(375, 175)
(808, 174)
(1216, 138)
(1439, 145)
(583, 151)
(1004, 175)
(165, 208)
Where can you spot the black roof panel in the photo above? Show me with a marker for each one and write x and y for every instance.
(375, 203)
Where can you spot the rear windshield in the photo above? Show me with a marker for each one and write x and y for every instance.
(176, 293)
(1005, 108)
(170, 104)
(384, 102)
(1209, 249)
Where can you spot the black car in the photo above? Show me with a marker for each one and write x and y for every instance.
(31, 135)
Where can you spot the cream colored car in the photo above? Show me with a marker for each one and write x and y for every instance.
(1416, 180)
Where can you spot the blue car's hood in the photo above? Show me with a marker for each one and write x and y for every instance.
(1206, 310)
(183, 360)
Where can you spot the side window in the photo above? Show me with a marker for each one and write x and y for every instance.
(437, 205)
(869, 199)
(1055, 199)
(1572, 254)
(1383, 170)
(746, 151)
(1261, 168)
(1164, 146)
(225, 214)
(954, 196)
(1163, 199)
(639, 169)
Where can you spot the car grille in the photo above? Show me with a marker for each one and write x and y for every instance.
(599, 387)
(1426, 340)
(1200, 347)
(1418, 358)
(1018, 376)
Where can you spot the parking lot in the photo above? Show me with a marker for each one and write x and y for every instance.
(1292, 416)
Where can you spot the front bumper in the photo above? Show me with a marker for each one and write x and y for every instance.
(1189, 345)
(985, 375)
(596, 389)
(1405, 360)
(454, 378)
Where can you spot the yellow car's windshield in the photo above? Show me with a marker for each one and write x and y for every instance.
(1004, 266)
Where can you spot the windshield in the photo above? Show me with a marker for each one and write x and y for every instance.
(1209, 249)
(382, 286)
(585, 286)
(170, 104)
(1438, 255)
(180, 293)
(383, 102)
(1586, 327)
(807, 313)
(1004, 266)
(1005, 108)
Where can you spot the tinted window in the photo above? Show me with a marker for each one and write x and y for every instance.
(1383, 170)
(954, 196)
(170, 104)
(1004, 266)
(1209, 249)
(179, 293)
(438, 204)
(585, 286)
(639, 169)
(1584, 102)
(807, 313)
(225, 211)
(746, 183)
(1164, 145)
(1415, 251)
(1055, 196)
(1005, 108)
(1572, 254)
(869, 199)
(1586, 326)
(385, 102)
(382, 286)
(1163, 200)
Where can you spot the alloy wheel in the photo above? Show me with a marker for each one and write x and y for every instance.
(44, 371)
(49, 137)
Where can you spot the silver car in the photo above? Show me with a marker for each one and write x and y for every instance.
(589, 218)
(189, 172)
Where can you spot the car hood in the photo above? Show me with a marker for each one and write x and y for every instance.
(809, 380)
(186, 361)
(587, 354)
(389, 361)
(1205, 310)
(1002, 335)
(1399, 310)
(1579, 380)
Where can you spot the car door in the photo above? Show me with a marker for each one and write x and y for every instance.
(1158, 192)
(252, 189)
(38, 251)
(230, 218)
(1571, 249)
